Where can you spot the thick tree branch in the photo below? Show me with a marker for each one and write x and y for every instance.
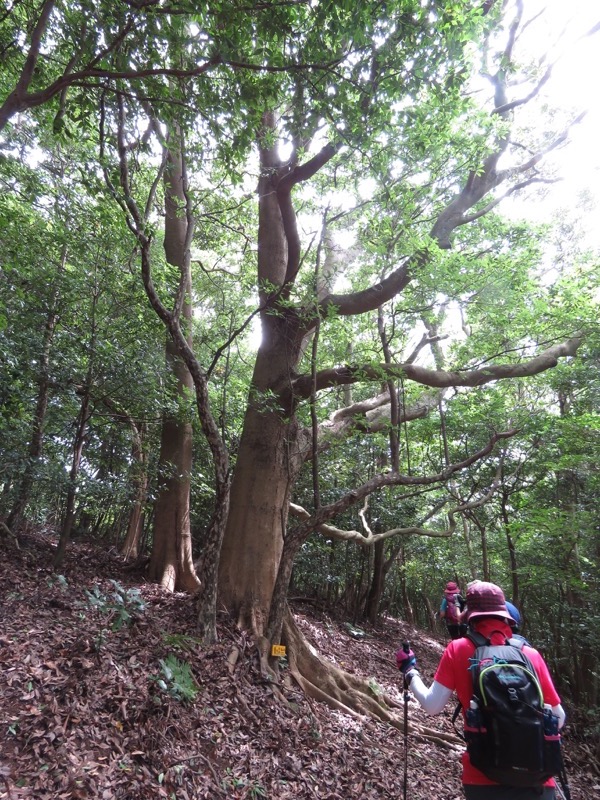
(371, 416)
(331, 532)
(12, 103)
(340, 376)
(18, 100)
(510, 190)
(285, 184)
(454, 215)
(305, 171)
(375, 296)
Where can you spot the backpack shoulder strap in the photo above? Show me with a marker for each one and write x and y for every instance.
(517, 641)
(478, 639)
(457, 711)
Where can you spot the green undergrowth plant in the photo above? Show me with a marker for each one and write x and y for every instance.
(121, 605)
(176, 679)
(252, 788)
(180, 641)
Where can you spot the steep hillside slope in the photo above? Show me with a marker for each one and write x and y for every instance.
(93, 687)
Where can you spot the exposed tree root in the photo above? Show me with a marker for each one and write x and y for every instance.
(232, 659)
(7, 534)
(345, 692)
(321, 680)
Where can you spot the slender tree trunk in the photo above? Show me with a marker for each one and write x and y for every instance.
(470, 555)
(332, 589)
(409, 613)
(379, 566)
(131, 544)
(512, 552)
(78, 443)
(431, 611)
(207, 594)
(581, 662)
(377, 583)
(485, 561)
(171, 562)
(79, 440)
(39, 417)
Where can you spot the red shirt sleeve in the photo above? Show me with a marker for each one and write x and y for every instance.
(453, 669)
(548, 690)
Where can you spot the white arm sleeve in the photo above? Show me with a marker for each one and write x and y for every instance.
(558, 711)
(433, 699)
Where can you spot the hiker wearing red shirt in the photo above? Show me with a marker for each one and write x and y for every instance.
(488, 616)
(450, 610)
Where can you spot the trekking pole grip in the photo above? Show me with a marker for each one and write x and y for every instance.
(406, 648)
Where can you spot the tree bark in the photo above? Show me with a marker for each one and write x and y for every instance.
(78, 444)
(171, 562)
(377, 583)
(39, 417)
(269, 457)
(131, 544)
(266, 469)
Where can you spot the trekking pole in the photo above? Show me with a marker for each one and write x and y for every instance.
(563, 784)
(406, 648)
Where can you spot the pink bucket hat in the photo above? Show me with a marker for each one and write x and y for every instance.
(486, 600)
(451, 586)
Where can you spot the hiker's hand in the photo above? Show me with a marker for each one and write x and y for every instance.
(405, 660)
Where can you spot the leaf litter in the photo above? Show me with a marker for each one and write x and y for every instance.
(107, 693)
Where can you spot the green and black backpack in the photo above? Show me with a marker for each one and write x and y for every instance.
(511, 736)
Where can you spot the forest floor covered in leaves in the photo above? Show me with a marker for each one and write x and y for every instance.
(93, 702)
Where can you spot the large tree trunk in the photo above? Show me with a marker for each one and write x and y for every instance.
(171, 562)
(267, 466)
(268, 459)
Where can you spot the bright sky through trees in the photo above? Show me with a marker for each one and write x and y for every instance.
(562, 36)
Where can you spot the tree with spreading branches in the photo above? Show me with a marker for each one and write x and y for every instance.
(379, 172)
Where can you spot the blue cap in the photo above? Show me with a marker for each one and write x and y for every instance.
(514, 612)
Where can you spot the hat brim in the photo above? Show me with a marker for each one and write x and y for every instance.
(499, 613)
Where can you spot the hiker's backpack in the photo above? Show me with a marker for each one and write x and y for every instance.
(511, 736)
(452, 607)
